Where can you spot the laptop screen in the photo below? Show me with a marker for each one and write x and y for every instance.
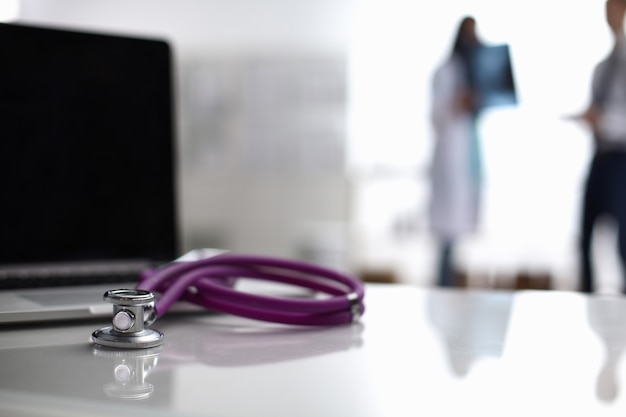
(87, 147)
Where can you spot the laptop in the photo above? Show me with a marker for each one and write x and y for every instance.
(87, 178)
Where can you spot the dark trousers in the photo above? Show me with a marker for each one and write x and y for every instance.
(604, 196)
(445, 272)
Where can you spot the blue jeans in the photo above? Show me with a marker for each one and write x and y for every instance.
(605, 195)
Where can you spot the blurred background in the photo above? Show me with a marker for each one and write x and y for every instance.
(304, 129)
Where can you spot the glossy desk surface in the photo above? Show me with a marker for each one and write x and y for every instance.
(415, 352)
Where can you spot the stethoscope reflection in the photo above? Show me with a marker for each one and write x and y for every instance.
(130, 368)
(220, 342)
(606, 317)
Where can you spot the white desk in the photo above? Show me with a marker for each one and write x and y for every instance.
(415, 352)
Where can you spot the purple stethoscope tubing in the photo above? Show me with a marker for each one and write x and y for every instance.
(209, 284)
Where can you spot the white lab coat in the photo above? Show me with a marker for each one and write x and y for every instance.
(455, 188)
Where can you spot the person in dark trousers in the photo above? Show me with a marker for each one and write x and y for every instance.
(605, 188)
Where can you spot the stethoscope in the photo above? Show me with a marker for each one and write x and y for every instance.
(209, 283)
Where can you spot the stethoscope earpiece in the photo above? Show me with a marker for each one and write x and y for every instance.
(133, 309)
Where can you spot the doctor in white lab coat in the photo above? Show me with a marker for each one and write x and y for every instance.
(456, 169)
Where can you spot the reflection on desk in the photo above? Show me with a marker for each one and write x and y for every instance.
(415, 351)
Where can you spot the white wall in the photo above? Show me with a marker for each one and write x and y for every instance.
(207, 24)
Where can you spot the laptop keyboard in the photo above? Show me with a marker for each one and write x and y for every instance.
(22, 279)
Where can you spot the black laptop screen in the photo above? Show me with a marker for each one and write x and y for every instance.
(86, 147)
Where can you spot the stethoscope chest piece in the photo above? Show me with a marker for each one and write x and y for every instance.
(133, 309)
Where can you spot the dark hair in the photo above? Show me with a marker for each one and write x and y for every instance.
(464, 49)
(459, 39)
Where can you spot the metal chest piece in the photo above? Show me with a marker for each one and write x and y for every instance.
(132, 310)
